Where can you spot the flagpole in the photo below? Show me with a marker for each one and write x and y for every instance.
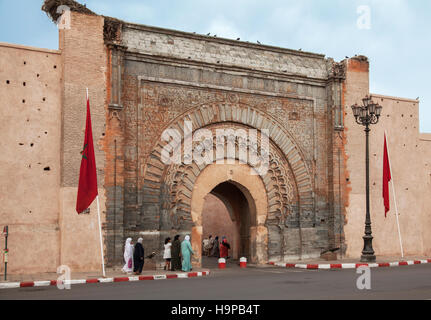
(100, 236)
(395, 198)
(100, 228)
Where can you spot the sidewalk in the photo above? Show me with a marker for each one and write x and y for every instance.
(112, 275)
(382, 262)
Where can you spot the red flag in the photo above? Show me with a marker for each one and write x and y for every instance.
(386, 178)
(87, 189)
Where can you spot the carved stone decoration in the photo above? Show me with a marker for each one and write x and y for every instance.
(282, 194)
(178, 181)
(338, 70)
(200, 118)
(281, 198)
(115, 114)
(112, 30)
(294, 116)
(167, 189)
(177, 196)
(116, 75)
(219, 106)
(233, 98)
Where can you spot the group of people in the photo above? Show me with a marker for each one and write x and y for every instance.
(177, 255)
(134, 256)
(213, 248)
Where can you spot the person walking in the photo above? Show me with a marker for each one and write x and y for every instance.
(186, 252)
(205, 245)
(210, 245)
(216, 249)
(176, 254)
(224, 248)
(128, 256)
(167, 254)
(138, 257)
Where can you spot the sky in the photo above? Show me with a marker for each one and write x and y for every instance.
(391, 33)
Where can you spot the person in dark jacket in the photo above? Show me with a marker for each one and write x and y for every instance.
(216, 249)
(138, 257)
(176, 254)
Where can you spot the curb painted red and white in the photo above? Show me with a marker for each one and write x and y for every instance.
(350, 265)
(14, 285)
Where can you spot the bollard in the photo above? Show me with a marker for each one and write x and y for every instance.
(222, 263)
(6, 251)
(243, 263)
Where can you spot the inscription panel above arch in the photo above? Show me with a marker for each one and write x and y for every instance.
(163, 103)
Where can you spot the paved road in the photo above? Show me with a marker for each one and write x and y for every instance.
(268, 283)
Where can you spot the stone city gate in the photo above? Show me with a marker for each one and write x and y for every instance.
(290, 209)
(170, 197)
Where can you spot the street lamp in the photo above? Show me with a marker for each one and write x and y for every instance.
(367, 115)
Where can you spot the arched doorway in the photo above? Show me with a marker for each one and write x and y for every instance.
(230, 211)
(245, 199)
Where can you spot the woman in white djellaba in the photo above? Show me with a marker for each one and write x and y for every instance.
(128, 256)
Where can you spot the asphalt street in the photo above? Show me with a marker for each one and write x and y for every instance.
(255, 283)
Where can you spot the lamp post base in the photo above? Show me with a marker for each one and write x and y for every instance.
(368, 252)
(368, 258)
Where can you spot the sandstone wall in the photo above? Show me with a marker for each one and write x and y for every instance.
(30, 167)
(409, 154)
(424, 150)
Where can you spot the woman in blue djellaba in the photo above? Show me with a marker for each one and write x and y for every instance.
(186, 253)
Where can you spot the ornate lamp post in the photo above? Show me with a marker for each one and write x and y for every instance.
(367, 115)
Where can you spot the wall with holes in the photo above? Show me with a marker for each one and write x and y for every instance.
(30, 118)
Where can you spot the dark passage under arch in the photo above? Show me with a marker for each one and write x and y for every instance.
(229, 211)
